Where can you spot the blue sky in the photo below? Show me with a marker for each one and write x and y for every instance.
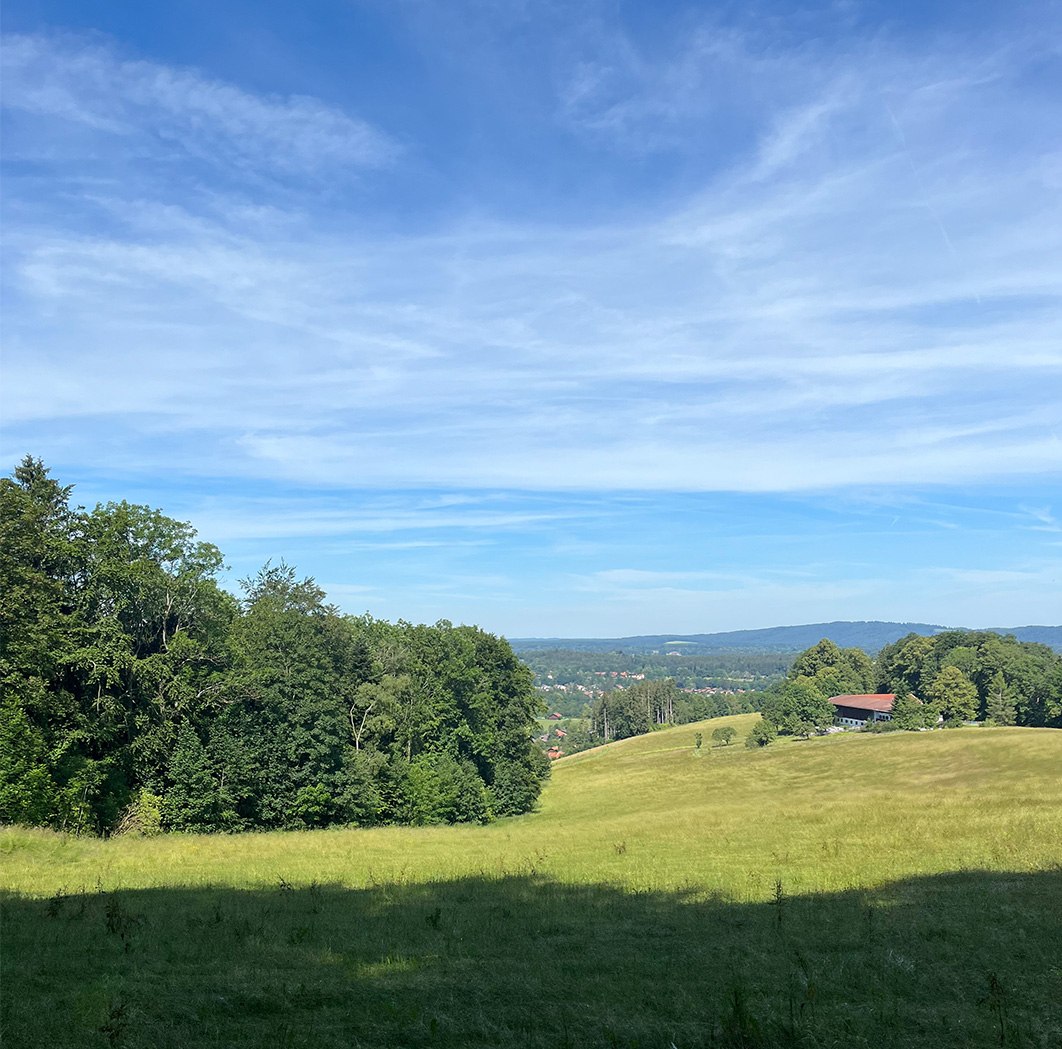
(560, 318)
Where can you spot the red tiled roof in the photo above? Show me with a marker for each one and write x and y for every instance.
(882, 701)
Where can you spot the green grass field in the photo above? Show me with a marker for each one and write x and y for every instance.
(856, 890)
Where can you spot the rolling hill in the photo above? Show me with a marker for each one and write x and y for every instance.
(897, 890)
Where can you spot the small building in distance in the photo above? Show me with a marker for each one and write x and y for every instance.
(856, 711)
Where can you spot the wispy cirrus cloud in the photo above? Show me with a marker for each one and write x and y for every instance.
(742, 265)
(1041, 519)
(646, 98)
(161, 110)
(731, 339)
(279, 520)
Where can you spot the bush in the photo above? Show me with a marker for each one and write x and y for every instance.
(313, 806)
(517, 785)
(28, 793)
(191, 802)
(882, 726)
(762, 734)
(445, 790)
(142, 818)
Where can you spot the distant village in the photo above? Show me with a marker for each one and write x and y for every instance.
(575, 688)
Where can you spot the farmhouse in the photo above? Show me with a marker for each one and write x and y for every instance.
(856, 711)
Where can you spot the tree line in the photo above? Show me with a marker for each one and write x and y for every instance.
(646, 705)
(950, 678)
(137, 693)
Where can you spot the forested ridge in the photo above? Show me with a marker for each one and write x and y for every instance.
(138, 694)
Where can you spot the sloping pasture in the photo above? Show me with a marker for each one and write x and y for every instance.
(892, 890)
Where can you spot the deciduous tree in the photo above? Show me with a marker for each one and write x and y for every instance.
(954, 696)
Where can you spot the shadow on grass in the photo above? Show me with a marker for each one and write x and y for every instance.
(969, 959)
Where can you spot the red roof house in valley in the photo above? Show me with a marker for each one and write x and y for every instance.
(856, 711)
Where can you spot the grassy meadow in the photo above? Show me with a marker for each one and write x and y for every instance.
(855, 890)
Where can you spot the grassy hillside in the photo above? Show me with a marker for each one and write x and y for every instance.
(896, 890)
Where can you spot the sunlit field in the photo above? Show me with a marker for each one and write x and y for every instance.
(847, 890)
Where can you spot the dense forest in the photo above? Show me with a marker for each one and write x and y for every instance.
(139, 694)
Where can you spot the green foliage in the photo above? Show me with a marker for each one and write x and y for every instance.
(834, 671)
(999, 701)
(762, 734)
(39, 536)
(953, 695)
(800, 705)
(881, 725)
(619, 715)
(907, 664)
(517, 783)
(724, 736)
(191, 801)
(313, 806)
(646, 705)
(631, 711)
(796, 705)
(129, 675)
(28, 793)
(1031, 691)
(445, 790)
(143, 817)
(908, 713)
(958, 675)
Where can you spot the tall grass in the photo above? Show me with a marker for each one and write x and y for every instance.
(823, 814)
(890, 890)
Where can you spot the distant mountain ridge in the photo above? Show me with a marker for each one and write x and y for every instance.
(870, 635)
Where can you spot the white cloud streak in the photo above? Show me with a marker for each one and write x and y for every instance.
(161, 109)
(798, 322)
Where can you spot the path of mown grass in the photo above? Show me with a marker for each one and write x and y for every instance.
(805, 894)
